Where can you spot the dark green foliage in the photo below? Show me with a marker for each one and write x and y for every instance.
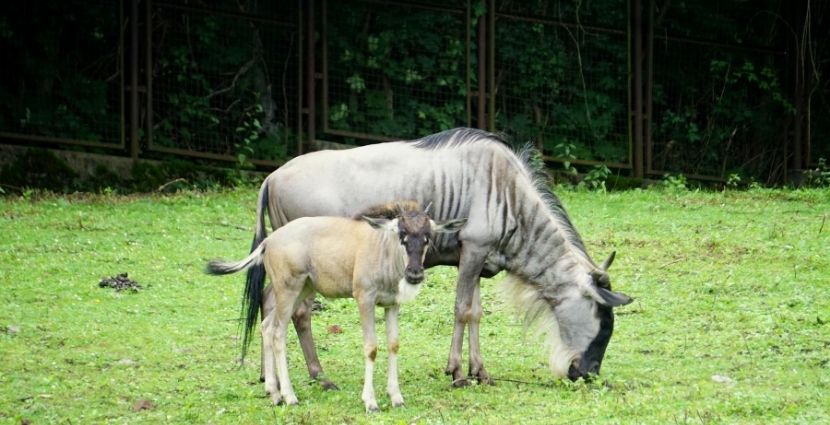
(60, 75)
(230, 83)
(225, 85)
(396, 72)
(40, 169)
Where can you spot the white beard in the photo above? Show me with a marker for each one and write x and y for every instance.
(407, 291)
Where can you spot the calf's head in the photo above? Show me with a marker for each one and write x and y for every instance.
(415, 230)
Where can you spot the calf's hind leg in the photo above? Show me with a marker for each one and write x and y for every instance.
(285, 300)
(269, 376)
(302, 324)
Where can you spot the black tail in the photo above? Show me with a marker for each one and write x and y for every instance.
(255, 281)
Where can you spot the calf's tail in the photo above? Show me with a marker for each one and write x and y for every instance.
(218, 267)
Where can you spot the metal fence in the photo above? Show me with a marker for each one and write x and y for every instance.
(64, 86)
(622, 82)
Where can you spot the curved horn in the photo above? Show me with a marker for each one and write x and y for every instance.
(607, 263)
(426, 209)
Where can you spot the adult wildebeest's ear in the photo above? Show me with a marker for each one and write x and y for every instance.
(610, 298)
(601, 279)
(449, 226)
(381, 223)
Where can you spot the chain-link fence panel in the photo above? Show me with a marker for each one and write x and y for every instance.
(395, 71)
(712, 111)
(562, 82)
(66, 84)
(225, 85)
(720, 101)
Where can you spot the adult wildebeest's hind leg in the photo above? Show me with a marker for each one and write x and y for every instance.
(302, 324)
(467, 310)
(392, 345)
(370, 350)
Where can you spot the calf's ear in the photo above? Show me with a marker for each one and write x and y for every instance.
(381, 223)
(449, 226)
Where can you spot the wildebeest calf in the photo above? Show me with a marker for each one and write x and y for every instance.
(377, 258)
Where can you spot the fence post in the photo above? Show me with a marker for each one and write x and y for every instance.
(310, 80)
(649, 84)
(491, 65)
(638, 89)
(134, 79)
(481, 69)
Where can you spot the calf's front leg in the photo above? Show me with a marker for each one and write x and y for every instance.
(392, 387)
(370, 351)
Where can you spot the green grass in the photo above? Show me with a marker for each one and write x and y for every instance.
(735, 284)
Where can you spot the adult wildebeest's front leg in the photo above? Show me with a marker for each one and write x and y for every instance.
(370, 350)
(476, 362)
(467, 310)
(392, 344)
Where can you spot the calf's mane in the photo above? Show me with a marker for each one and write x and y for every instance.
(390, 210)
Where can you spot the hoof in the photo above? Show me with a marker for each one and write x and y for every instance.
(328, 385)
(397, 401)
(291, 400)
(484, 379)
(460, 382)
(371, 408)
(276, 399)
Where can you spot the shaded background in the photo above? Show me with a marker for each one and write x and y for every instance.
(708, 88)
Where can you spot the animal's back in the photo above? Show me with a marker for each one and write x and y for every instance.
(322, 249)
(345, 182)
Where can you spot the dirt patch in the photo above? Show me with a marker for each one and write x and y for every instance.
(120, 283)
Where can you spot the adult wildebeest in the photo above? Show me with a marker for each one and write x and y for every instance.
(515, 224)
(376, 260)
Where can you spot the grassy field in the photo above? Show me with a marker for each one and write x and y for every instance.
(729, 324)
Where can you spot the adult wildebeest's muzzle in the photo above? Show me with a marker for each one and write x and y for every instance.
(583, 369)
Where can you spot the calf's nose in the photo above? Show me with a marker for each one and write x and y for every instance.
(414, 275)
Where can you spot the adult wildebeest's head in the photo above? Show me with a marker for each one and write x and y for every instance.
(586, 322)
(576, 315)
(415, 230)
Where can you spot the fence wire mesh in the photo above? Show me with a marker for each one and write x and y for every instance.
(394, 71)
(564, 88)
(64, 84)
(706, 104)
(719, 108)
(232, 80)
(224, 84)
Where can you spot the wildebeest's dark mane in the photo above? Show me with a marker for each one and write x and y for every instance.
(462, 136)
(457, 137)
(541, 181)
(390, 210)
